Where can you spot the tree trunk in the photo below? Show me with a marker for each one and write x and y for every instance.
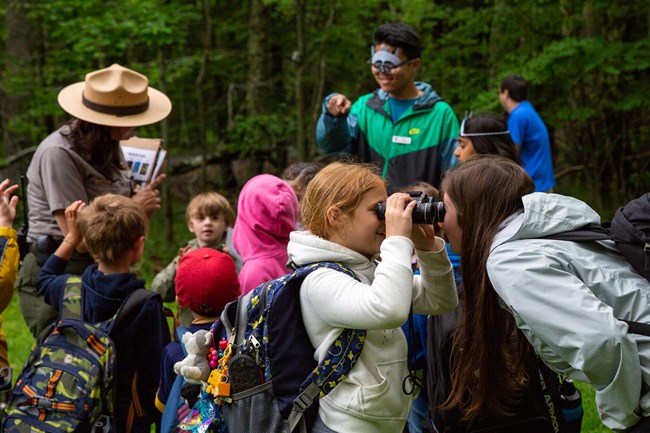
(167, 208)
(200, 80)
(14, 102)
(297, 57)
(255, 55)
(567, 13)
(496, 32)
(317, 96)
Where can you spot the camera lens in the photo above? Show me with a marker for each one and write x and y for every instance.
(429, 213)
(423, 213)
(439, 211)
(381, 210)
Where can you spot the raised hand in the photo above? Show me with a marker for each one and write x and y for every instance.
(73, 236)
(339, 105)
(7, 203)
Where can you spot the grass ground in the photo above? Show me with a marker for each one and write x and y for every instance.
(20, 342)
(158, 253)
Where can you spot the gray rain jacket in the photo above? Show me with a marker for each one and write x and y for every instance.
(568, 297)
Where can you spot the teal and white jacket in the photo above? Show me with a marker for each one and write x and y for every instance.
(419, 146)
(568, 299)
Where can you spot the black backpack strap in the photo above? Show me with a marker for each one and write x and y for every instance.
(130, 309)
(238, 337)
(637, 327)
(597, 233)
(583, 234)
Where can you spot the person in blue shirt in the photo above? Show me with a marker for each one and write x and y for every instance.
(528, 132)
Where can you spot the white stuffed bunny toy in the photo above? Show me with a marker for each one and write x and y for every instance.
(195, 367)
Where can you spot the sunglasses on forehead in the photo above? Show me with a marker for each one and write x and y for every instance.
(468, 115)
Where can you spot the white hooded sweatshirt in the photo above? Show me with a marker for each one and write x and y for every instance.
(370, 399)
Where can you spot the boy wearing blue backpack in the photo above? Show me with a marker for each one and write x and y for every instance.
(113, 229)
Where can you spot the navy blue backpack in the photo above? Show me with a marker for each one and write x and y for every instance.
(274, 381)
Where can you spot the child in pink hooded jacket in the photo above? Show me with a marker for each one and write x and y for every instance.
(267, 211)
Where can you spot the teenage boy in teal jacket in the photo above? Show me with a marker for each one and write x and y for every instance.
(404, 126)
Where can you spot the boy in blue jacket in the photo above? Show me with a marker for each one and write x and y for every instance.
(113, 229)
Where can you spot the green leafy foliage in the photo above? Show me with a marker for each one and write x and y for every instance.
(587, 64)
(257, 134)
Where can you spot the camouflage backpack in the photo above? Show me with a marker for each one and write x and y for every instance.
(67, 382)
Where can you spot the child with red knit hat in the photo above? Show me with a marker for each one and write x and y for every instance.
(206, 280)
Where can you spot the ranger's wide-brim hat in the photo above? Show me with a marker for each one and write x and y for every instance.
(115, 96)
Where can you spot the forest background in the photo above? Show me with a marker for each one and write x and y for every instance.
(247, 80)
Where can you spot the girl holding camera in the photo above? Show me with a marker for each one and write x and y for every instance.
(339, 212)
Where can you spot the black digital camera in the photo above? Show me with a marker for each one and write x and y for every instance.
(427, 211)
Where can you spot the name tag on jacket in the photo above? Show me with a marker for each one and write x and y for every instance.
(401, 140)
